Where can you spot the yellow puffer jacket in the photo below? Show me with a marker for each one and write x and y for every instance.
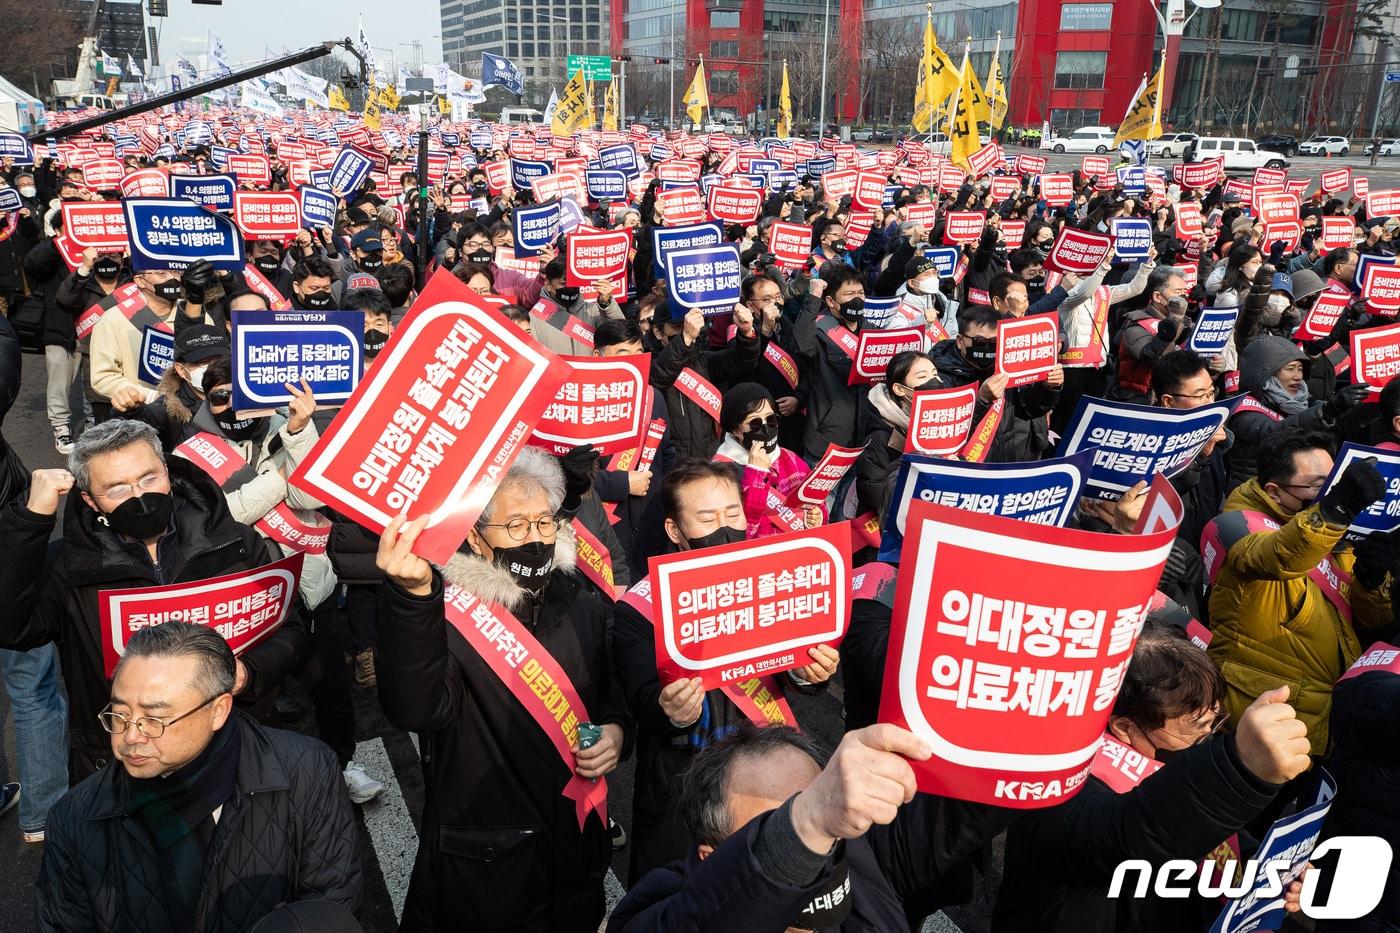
(1273, 626)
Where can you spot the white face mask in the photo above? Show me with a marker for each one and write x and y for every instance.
(196, 377)
(1274, 312)
(28, 191)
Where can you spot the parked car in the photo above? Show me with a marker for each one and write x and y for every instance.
(1278, 142)
(1389, 147)
(1240, 155)
(883, 135)
(1170, 145)
(1326, 145)
(938, 144)
(862, 135)
(1085, 139)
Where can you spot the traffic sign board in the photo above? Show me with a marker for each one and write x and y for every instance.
(595, 67)
(1392, 77)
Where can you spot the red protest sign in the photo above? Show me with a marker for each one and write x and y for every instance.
(600, 404)
(735, 204)
(858, 228)
(680, 207)
(1027, 348)
(1005, 186)
(877, 347)
(1276, 208)
(267, 215)
(870, 190)
(1078, 251)
(940, 421)
(950, 178)
(103, 174)
(146, 183)
(250, 168)
(1013, 233)
(1381, 289)
(244, 607)
(1323, 316)
(1201, 174)
(1270, 176)
(1030, 165)
(437, 421)
(985, 159)
(791, 243)
(1289, 232)
(497, 175)
(559, 185)
(1094, 165)
(593, 256)
(1008, 644)
(1337, 233)
(922, 212)
(732, 613)
(1336, 180)
(97, 224)
(1057, 190)
(1384, 203)
(1189, 224)
(825, 476)
(840, 183)
(1375, 355)
(963, 226)
(678, 170)
(1361, 186)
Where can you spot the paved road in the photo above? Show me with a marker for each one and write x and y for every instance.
(389, 836)
(1385, 174)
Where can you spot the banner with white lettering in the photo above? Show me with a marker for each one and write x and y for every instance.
(600, 404)
(1078, 251)
(940, 421)
(1028, 348)
(213, 191)
(173, 233)
(535, 227)
(1214, 327)
(875, 349)
(271, 349)
(1375, 356)
(706, 278)
(1383, 515)
(157, 353)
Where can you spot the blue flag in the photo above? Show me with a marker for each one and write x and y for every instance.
(501, 71)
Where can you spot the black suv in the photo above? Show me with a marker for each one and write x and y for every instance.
(1277, 142)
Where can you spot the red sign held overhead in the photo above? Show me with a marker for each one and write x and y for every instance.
(1381, 289)
(146, 183)
(1007, 648)
(839, 184)
(940, 421)
(1057, 190)
(732, 613)
(1201, 174)
(1027, 348)
(1375, 355)
(601, 404)
(103, 174)
(593, 256)
(438, 420)
(1095, 165)
(1361, 187)
(1189, 224)
(963, 226)
(791, 243)
(1336, 180)
(1270, 176)
(984, 160)
(267, 215)
(877, 347)
(1383, 203)
(680, 207)
(244, 607)
(1078, 251)
(1337, 233)
(251, 168)
(735, 203)
(870, 190)
(1030, 165)
(1276, 208)
(825, 476)
(100, 225)
(1323, 316)
(923, 212)
(1005, 186)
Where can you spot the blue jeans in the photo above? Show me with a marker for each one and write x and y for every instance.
(41, 731)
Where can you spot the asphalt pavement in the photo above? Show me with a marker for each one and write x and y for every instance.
(1385, 174)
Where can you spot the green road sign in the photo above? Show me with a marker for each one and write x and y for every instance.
(595, 67)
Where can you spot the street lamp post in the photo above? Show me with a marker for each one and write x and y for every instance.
(1173, 25)
(826, 20)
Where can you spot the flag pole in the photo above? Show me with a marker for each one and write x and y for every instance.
(993, 70)
(928, 84)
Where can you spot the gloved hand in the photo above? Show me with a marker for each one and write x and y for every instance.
(578, 467)
(1264, 278)
(1167, 330)
(1276, 252)
(1346, 399)
(1360, 485)
(199, 279)
(1374, 556)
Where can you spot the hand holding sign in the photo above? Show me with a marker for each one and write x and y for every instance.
(866, 781)
(683, 700)
(396, 558)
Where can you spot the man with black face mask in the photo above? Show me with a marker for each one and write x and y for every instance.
(368, 251)
(832, 315)
(704, 508)
(496, 778)
(265, 257)
(1167, 783)
(138, 521)
(783, 840)
(314, 287)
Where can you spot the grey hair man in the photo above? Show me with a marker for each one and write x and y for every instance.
(137, 521)
(204, 799)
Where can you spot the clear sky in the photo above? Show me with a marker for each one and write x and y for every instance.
(246, 27)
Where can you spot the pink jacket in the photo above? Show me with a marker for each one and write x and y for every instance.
(786, 474)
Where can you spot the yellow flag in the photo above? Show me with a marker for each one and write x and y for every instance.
(389, 97)
(937, 81)
(573, 107)
(444, 106)
(337, 98)
(784, 107)
(981, 109)
(610, 107)
(371, 115)
(996, 94)
(697, 97)
(962, 125)
(1144, 117)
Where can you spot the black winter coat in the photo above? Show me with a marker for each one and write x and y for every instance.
(640, 521)
(1060, 860)
(499, 846)
(833, 406)
(287, 834)
(50, 593)
(1024, 433)
(46, 271)
(693, 432)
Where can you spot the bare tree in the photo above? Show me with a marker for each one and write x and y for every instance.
(890, 68)
(37, 34)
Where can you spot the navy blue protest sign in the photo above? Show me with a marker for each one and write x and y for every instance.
(659, 152)
(171, 233)
(1132, 238)
(15, 146)
(1211, 335)
(349, 171)
(1045, 492)
(879, 313)
(1133, 443)
(666, 239)
(621, 157)
(318, 208)
(1289, 843)
(523, 173)
(570, 215)
(480, 139)
(821, 166)
(157, 354)
(218, 156)
(320, 178)
(10, 201)
(1383, 515)
(945, 260)
(271, 348)
(781, 179)
(451, 140)
(213, 191)
(535, 227)
(706, 278)
(606, 184)
(764, 166)
(1133, 178)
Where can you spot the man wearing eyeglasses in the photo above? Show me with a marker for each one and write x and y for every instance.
(201, 800)
(137, 521)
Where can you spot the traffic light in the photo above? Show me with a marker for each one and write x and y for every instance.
(661, 61)
(158, 7)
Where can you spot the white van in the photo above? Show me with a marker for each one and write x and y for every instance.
(1240, 155)
(1085, 139)
(521, 116)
